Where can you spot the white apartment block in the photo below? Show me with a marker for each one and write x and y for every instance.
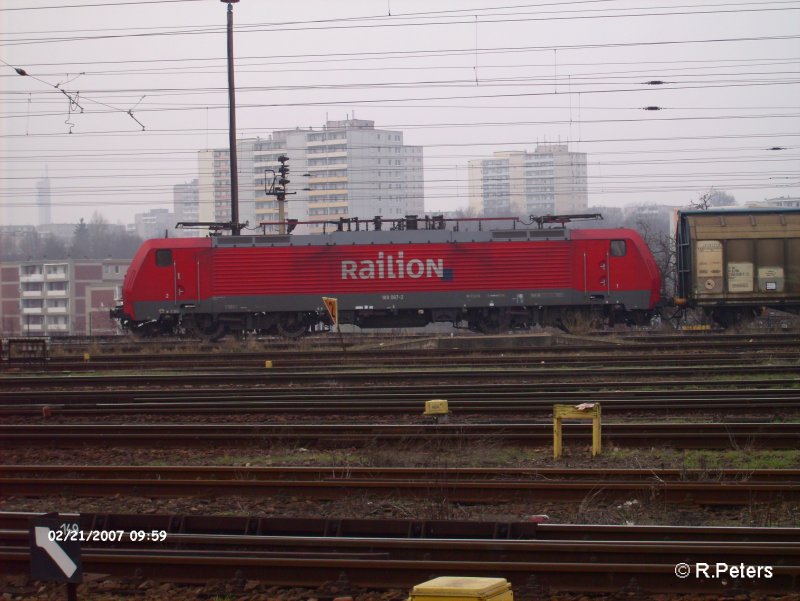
(347, 169)
(549, 181)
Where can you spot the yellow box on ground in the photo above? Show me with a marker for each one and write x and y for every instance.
(468, 588)
(436, 407)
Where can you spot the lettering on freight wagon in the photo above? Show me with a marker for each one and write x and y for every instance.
(394, 267)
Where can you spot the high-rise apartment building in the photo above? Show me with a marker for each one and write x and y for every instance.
(186, 203)
(346, 169)
(551, 180)
(214, 183)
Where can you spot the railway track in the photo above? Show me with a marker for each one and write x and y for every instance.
(399, 553)
(480, 398)
(240, 362)
(407, 400)
(497, 486)
(408, 528)
(679, 435)
(531, 379)
(592, 341)
(444, 375)
(437, 474)
(534, 564)
(502, 353)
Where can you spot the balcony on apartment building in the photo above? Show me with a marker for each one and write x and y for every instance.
(32, 291)
(31, 276)
(56, 291)
(56, 272)
(331, 164)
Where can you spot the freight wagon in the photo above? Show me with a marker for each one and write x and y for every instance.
(488, 281)
(734, 262)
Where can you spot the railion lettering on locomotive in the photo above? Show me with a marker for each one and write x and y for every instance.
(392, 267)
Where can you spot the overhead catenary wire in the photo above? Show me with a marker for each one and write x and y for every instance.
(772, 125)
(486, 20)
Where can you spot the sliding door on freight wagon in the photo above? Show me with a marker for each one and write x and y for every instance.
(751, 258)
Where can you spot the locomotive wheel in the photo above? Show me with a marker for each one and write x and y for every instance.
(145, 330)
(495, 322)
(206, 327)
(292, 326)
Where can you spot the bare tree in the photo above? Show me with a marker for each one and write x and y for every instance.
(713, 198)
(662, 245)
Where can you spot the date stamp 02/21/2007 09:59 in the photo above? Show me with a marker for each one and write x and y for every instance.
(71, 532)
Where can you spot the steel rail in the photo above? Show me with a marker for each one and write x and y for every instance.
(493, 399)
(440, 474)
(382, 573)
(461, 490)
(680, 435)
(554, 348)
(500, 398)
(674, 389)
(411, 528)
(355, 343)
(277, 376)
(630, 355)
(231, 363)
(460, 549)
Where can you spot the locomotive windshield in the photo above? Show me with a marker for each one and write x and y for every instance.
(619, 248)
(163, 257)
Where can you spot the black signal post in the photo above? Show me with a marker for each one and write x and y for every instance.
(280, 191)
(236, 227)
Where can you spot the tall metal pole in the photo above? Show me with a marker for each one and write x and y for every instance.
(235, 228)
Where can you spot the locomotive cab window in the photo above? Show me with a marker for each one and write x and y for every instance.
(163, 257)
(619, 248)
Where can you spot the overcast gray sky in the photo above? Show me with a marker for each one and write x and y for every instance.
(463, 78)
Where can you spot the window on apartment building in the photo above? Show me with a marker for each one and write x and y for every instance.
(56, 269)
(56, 286)
(32, 303)
(57, 303)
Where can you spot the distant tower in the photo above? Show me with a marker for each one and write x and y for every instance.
(43, 199)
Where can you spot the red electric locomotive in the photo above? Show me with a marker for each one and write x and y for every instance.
(417, 273)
